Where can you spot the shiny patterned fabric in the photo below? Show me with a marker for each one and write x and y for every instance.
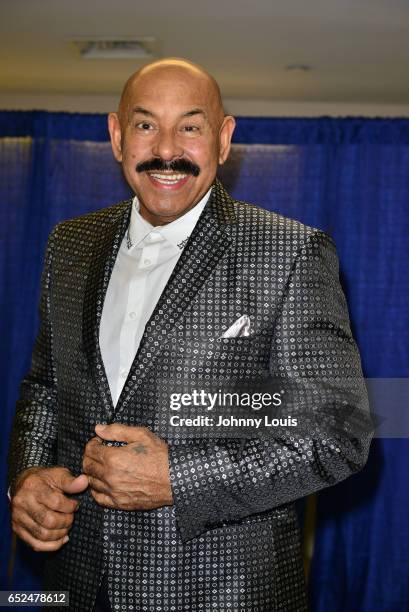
(231, 540)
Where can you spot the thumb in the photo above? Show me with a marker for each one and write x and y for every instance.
(117, 432)
(72, 484)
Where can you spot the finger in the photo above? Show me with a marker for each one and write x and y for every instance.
(40, 503)
(94, 441)
(59, 502)
(93, 468)
(102, 499)
(95, 450)
(38, 545)
(119, 433)
(40, 532)
(45, 517)
(98, 486)
(71, 484)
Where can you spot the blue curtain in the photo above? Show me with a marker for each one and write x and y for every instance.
(348, 176)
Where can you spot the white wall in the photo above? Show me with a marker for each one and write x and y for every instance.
(258, 108)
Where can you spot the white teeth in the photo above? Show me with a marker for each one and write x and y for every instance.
(169, 179)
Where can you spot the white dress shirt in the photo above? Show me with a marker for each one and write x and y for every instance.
(144, 263)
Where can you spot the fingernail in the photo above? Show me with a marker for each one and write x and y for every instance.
(65, 539)
(100, 425)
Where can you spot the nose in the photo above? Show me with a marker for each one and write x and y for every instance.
(167, 146)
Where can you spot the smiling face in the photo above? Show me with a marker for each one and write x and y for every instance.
(170, 134)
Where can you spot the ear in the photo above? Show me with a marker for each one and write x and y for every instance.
(114, 128)
(225, 136)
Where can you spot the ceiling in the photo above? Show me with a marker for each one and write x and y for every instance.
(358, 50)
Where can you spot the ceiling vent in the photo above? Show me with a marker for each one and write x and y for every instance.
(115, 47)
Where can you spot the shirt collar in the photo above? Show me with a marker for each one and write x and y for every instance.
(177, 232)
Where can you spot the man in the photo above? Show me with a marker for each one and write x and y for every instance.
(180, 287)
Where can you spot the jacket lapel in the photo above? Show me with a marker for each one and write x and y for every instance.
(102, 262)
(207, 244)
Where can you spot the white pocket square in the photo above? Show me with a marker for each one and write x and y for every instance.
(240, 328)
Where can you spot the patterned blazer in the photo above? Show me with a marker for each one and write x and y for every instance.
(230, 542)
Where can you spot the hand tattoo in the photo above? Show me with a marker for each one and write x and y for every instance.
(140, 449)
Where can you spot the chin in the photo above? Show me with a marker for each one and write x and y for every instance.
(167, 210)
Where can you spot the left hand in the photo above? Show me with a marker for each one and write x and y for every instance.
(131, 477)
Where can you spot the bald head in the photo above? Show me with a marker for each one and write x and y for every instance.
(176, 73)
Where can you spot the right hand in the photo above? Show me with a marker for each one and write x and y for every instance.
(41, 514)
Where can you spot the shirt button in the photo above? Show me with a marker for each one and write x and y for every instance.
(132, 315)
(147, 262)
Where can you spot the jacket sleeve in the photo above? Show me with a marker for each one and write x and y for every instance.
(219, 481)
(34, 432)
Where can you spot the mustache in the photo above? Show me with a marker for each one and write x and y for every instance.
(178, 165)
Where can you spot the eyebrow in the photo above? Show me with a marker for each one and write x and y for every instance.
(147, 113)
(142, 111)
(195, 111)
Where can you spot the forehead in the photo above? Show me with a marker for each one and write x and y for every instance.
(171, 90)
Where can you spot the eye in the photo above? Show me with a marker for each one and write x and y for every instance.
(190, 128)
(144, 126)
